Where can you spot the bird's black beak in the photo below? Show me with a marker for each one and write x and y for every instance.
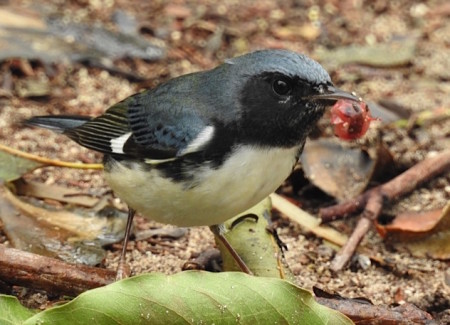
(333, 93)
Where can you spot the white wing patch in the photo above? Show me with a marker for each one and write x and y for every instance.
(158, 161)
(229, 61)
(200, 141)
(118, 143)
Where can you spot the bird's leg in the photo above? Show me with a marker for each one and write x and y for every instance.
(123, 270)
(218, 231)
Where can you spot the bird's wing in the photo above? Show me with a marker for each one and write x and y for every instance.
(134, 128)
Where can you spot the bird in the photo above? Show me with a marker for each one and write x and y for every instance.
(203, 147)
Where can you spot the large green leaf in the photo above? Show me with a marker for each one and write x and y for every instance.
(12, 312)
(193, 297)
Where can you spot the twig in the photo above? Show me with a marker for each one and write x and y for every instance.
(374, 199)
(400, 185)
(39, 272)
(371, 212)
(48, 162)
(417, 175)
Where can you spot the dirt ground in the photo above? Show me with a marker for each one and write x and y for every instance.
(200, 34)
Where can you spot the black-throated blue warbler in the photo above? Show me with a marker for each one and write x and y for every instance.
(203, 147)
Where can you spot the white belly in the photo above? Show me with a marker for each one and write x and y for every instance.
(243, 180)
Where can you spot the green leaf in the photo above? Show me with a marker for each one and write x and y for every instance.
(13, 167)
(12, 312)
(193, 297)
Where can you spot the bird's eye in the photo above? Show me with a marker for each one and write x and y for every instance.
(281, 87)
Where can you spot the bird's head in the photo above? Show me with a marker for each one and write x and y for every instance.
(281, 91)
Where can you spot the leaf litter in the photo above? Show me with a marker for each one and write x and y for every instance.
(91, 91)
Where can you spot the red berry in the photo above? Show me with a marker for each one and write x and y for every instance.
(351, 119)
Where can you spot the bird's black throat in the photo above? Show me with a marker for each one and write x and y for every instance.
(269, 119)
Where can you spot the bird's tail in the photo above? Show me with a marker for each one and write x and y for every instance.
(58, 123)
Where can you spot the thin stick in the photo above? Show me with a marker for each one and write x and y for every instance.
(48, 162)
(371, 212)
